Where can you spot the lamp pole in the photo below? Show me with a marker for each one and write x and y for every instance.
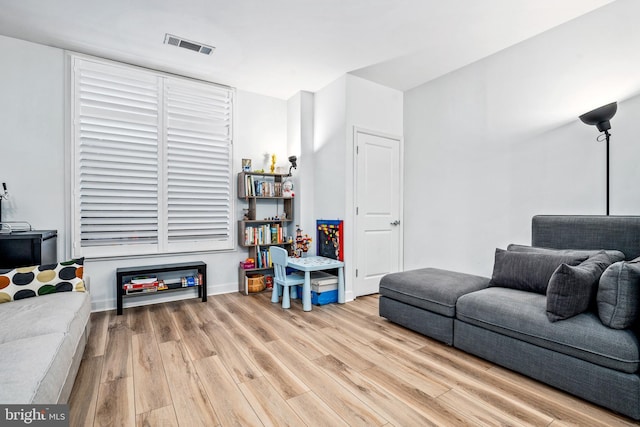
(607, 135)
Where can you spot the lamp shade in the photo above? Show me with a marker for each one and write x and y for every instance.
(600, 116)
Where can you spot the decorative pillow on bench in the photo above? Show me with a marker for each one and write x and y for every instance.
(572, 288)
(528, 271)
(37, 280)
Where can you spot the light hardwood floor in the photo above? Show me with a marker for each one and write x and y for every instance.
(241, 360)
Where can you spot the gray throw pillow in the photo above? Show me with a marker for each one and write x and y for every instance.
(615, 255)
(619, 294)
(528, 271)
(572, 288)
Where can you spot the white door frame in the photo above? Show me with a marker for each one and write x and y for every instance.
(400, 139)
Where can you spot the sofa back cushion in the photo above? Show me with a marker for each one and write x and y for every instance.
(528, 271)
(572, 288)
(619, 294)
(588, 232)
(614, 255)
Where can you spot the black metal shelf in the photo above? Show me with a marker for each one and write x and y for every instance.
(126, 273)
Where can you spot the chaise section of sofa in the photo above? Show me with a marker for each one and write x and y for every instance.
(424, 300)
(42, 340)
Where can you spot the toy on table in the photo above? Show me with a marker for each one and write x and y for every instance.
(302, 243)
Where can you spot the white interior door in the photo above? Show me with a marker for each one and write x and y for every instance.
(378, 210)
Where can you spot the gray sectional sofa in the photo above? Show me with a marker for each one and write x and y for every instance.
(579, 332)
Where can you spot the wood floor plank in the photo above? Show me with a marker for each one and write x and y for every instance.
(115, 406)
(272, 409)
(296, 317)
(433, 409)
(84, 395)
(163, 324)
(284, 381)
(387, 404)
(314, 412)
(190, 399)
(301, 339)
(159, 417)
(381, 329)
(117, 355)
(250, 342)
(480, 413)
(224, 394)
(235, 360)
(151, 388)
(352, 352)
(252, 321)
(96, 343)
(191, 333)
(139, 320)
(340, 400)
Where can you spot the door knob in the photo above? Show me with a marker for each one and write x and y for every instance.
(396, 222)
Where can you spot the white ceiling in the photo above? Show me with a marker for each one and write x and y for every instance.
(279, 47)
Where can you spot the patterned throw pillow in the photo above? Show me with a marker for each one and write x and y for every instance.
(27, 282)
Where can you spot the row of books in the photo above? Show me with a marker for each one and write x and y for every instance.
(153, 284)
(261, 188)
(263, 258)
(266, 234)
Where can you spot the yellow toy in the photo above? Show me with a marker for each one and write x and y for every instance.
(273, 163)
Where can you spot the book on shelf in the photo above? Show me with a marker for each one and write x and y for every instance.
(249, 186)
(266, 234)
(263, 258)
(147, 286)
(144, 279)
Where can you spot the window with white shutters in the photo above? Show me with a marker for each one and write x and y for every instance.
(152, 161)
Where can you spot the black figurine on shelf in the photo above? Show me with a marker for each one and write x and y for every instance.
(294, 163)
(3, 196)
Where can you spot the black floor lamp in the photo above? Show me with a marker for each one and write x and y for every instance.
(600, 118)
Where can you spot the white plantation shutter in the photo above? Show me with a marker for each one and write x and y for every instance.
(152, 162)
(198, 123)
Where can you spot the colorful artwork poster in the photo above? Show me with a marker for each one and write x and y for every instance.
(330, 241)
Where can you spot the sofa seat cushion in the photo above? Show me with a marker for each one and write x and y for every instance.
(39, 338)
(431, 289)
(522, 315)
(34, 369)
(66, 312)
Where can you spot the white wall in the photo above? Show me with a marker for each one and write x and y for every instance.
(494, 143)
(343, 105)
(32, 146)
(32, 134)
(300, 128)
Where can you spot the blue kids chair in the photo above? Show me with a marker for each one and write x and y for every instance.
(282, 284)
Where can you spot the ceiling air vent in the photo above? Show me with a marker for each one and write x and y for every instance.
(187, 44)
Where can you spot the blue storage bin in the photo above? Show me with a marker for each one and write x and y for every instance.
(324, 297)
(321, 298)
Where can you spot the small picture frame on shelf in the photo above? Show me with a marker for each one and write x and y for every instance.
(246, 165)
